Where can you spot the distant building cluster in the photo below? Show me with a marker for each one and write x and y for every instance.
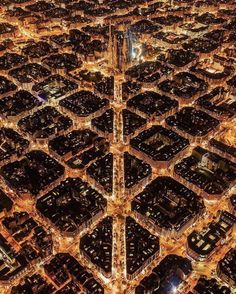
(117, 146)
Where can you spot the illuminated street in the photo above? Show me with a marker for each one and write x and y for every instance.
(117, 146)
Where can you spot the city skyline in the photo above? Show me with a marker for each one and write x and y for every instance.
(117, 146)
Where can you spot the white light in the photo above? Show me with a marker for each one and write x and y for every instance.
(133, 53)
(174, 289)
